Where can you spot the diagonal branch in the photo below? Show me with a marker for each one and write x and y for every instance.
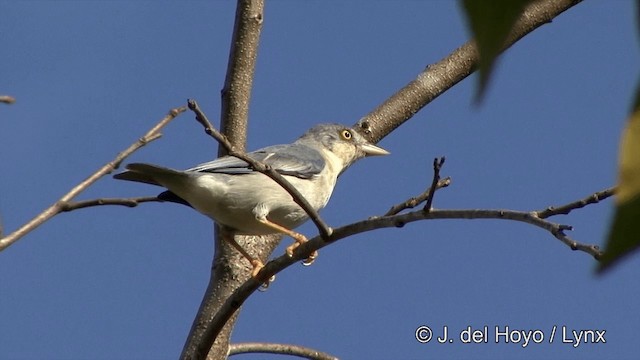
(283, 349)
(578, 204)
(441, 76)
(323, 228)
(417, 200)
(128, 202)
(61, 204)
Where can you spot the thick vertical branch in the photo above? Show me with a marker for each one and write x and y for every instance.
(236, 93)
(229, 269)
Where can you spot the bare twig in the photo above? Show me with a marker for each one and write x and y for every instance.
(417, 200)
(567, 208)
(437, 165)
(323, 228)
(7, 99)
(283, 349)
(128, 202)
(61, 204)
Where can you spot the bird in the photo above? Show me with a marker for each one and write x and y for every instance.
(246, 202)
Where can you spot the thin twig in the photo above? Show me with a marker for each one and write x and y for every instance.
(323, 228)
(437, 165)
(60, 205)
(578, 204)
(417, 200)
(234, 302)
(7, 99)
(128, 202)
(282, 349)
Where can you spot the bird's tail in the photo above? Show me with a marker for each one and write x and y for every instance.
(148, 174)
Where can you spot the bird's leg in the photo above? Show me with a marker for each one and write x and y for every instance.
(299, 239)
(255, 263)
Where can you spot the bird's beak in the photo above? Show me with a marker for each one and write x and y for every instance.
(372, 150)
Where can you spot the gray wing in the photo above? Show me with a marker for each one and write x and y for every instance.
(294, 159)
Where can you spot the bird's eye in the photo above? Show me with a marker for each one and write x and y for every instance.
(346, 134)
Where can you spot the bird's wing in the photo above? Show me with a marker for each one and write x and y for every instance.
(294, 159)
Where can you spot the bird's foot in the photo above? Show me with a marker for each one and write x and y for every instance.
(257, 266)
(299, 241)
(308, 261)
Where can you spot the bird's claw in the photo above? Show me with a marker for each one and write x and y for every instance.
(257, 266)
(291, 248)
(297, 244)
(310, 259)
(265, 285)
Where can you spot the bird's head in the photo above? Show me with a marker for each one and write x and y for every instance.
(341, 141)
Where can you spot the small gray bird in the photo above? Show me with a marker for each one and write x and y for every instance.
(247, 202)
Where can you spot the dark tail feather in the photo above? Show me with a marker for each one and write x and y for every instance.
(146, 173)
(171, 197)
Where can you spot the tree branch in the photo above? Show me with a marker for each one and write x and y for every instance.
(128, 202)
(417, 200)
(578, 204)
(273, 267)
(323, 228)
(437, 165)
(283, 349)
(441, 76)
(63, 203)
(229, 268)
(427, 195)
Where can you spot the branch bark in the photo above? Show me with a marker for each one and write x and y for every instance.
(578, 204)
(283, 349)
(229, 269)
(441, 76)
(274, 266)
(128, 202)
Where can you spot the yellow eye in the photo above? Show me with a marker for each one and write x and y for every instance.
(346, 134)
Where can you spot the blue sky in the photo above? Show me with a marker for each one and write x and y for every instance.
(103, 283)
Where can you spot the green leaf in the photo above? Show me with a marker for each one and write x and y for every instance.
(624, 234)
(490, 23)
